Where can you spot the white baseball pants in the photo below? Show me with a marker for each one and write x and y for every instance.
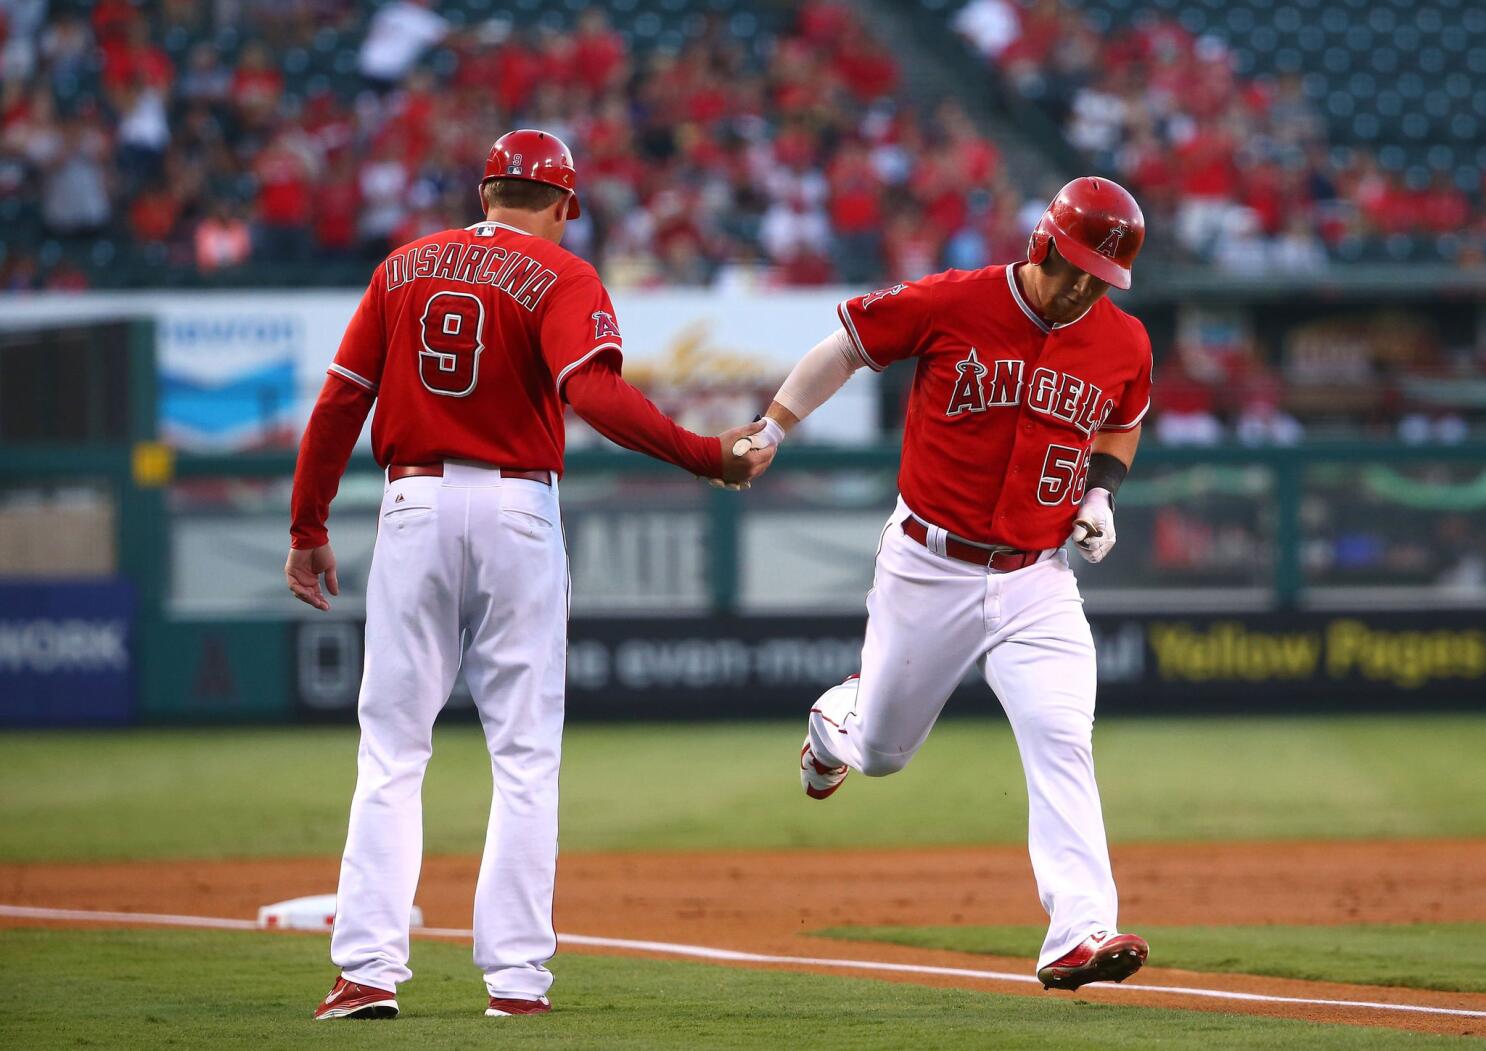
(468, 567)
(929, 619)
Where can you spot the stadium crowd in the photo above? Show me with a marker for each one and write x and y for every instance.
(196, 137)
(1243, 168)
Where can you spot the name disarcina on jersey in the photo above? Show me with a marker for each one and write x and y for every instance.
(524, 279)
(1058, 395)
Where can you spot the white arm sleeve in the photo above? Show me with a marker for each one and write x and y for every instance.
(819, 374)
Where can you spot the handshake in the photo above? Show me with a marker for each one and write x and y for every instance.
(747, 452)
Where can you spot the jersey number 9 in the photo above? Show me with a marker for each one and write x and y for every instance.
(452, 324)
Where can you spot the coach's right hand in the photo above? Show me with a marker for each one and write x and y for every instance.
(303, 570)
(738, 471)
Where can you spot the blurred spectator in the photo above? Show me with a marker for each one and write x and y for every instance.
(383, 181)
(256, 87)
(285, 173)
(1298, 249)
(222, 239)
(75, 190)
(153, 215)
(1417, 428)
(336, 205)
(400, 32)
(599, 54)
(204, 79)
(66, 48)
(792, 226)
(144, 132)
(19, 273)
(991, 26)
(1184, 407)
(1261, 418)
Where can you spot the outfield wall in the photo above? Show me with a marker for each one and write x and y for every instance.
(78, 672)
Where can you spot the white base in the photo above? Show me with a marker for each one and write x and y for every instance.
(313, 913)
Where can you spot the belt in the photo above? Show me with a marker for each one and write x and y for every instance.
(1002, 560)
(436, 470)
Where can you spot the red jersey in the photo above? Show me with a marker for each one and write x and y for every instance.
(466, 338)
(1004, 407)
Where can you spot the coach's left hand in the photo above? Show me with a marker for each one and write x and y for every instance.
(1094, 529)
(302, 571)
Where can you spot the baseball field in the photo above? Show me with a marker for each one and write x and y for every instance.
(1307, 883)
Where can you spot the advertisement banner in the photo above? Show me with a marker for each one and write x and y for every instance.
(733, 668)
(217, 672)
(67, 654)
(241, 370)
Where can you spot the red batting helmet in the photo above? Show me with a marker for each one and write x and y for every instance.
(536, 156)
(1097, 227)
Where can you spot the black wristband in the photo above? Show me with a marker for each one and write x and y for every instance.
(1106, 472)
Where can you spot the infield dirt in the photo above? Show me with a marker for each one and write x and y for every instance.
(770, 902)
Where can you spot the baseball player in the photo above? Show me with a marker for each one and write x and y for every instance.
(470, 341)
(1022, 421)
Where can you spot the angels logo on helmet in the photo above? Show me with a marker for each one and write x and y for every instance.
(1111, 243)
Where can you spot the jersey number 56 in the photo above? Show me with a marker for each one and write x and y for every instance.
(1063, 474)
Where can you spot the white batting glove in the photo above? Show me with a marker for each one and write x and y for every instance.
(1094, 529)
(768, 435)
(771, 434)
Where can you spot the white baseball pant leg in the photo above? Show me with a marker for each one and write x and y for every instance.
(1041, 664)
(441, 545)
(516, 608)
(925, 629)
(930, 618)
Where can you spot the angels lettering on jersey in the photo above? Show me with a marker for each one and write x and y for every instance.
(1058, 395)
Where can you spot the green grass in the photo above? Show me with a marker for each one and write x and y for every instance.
(1448, 956)
(218, 990)
(225, 793)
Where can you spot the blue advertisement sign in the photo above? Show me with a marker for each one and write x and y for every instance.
(67, 654)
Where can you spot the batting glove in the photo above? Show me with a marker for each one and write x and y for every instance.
(1094, 529)
(769, 435)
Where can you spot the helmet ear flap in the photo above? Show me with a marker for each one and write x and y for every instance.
(1037, 245)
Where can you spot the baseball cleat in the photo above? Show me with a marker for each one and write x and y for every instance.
(350, 1000)
(1101, 957)
(819, 780)
(502, 1007)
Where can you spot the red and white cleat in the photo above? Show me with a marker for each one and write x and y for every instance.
(349, 1000)
(501, 1007)
(819, 780)
(1101, 957)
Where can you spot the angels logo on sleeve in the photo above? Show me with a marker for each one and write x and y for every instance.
(872, 297)
(604, 325)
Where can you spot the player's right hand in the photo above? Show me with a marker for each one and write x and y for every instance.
(302, 571)
(739, 469)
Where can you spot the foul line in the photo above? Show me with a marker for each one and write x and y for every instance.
(705, 952)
